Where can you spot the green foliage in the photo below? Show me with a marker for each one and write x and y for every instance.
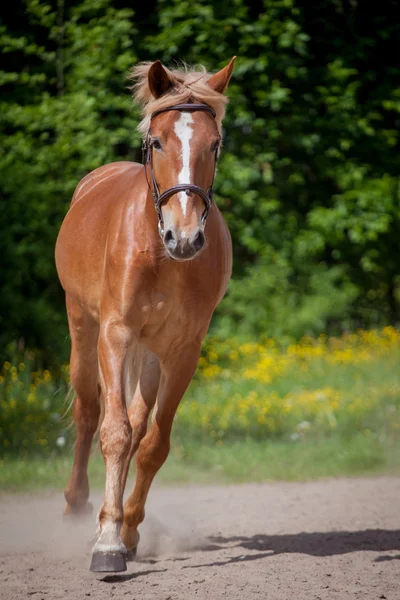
(274, 300)
(34, 413)
(66, 114)
(241, 461)
(315, 389)
(308, 179)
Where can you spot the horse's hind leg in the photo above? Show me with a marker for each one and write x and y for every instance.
(86, 406)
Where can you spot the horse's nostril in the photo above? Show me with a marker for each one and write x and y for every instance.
(168, 236)
(198, 241)
(169, 239)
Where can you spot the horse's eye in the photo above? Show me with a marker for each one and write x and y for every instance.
(215, 146)
(156, 144)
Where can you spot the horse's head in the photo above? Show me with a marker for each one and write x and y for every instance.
(182, 144)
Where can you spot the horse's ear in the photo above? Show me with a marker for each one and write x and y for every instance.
(219, 82)
(159, 79)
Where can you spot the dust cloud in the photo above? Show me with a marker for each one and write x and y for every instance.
(37, 524)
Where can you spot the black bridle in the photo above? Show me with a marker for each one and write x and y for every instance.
(159, 198)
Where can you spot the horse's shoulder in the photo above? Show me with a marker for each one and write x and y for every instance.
(112, 171)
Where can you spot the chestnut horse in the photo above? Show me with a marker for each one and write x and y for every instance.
(144, 257)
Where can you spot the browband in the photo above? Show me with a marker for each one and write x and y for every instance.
(185, 107)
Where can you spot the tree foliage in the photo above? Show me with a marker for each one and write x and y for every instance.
(308, 179)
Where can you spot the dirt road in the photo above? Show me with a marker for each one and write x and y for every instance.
(336, 539)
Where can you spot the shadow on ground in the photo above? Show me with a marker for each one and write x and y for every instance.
(315, 544)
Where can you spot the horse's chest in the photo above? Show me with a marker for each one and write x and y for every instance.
(172, 316)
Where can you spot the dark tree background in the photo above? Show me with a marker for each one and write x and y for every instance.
(308, 179)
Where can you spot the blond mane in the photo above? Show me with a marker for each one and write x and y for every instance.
(190, 85)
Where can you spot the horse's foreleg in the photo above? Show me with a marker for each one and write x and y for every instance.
(142, 403)
(86, 409)
(115, 437)
(154, 448)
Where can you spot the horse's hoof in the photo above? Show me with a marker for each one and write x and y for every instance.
(78, 511)
(128, 541)
(108, 563)
(131, 555)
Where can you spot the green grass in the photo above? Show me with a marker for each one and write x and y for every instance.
(254, 412)
(237, 462)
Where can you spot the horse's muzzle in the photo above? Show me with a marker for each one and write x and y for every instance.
(182, 248)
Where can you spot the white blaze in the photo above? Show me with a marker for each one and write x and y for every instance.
(184, 133)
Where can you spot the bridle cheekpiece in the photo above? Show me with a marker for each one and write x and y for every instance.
(160, 198)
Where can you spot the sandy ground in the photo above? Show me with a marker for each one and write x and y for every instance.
(336, 539)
